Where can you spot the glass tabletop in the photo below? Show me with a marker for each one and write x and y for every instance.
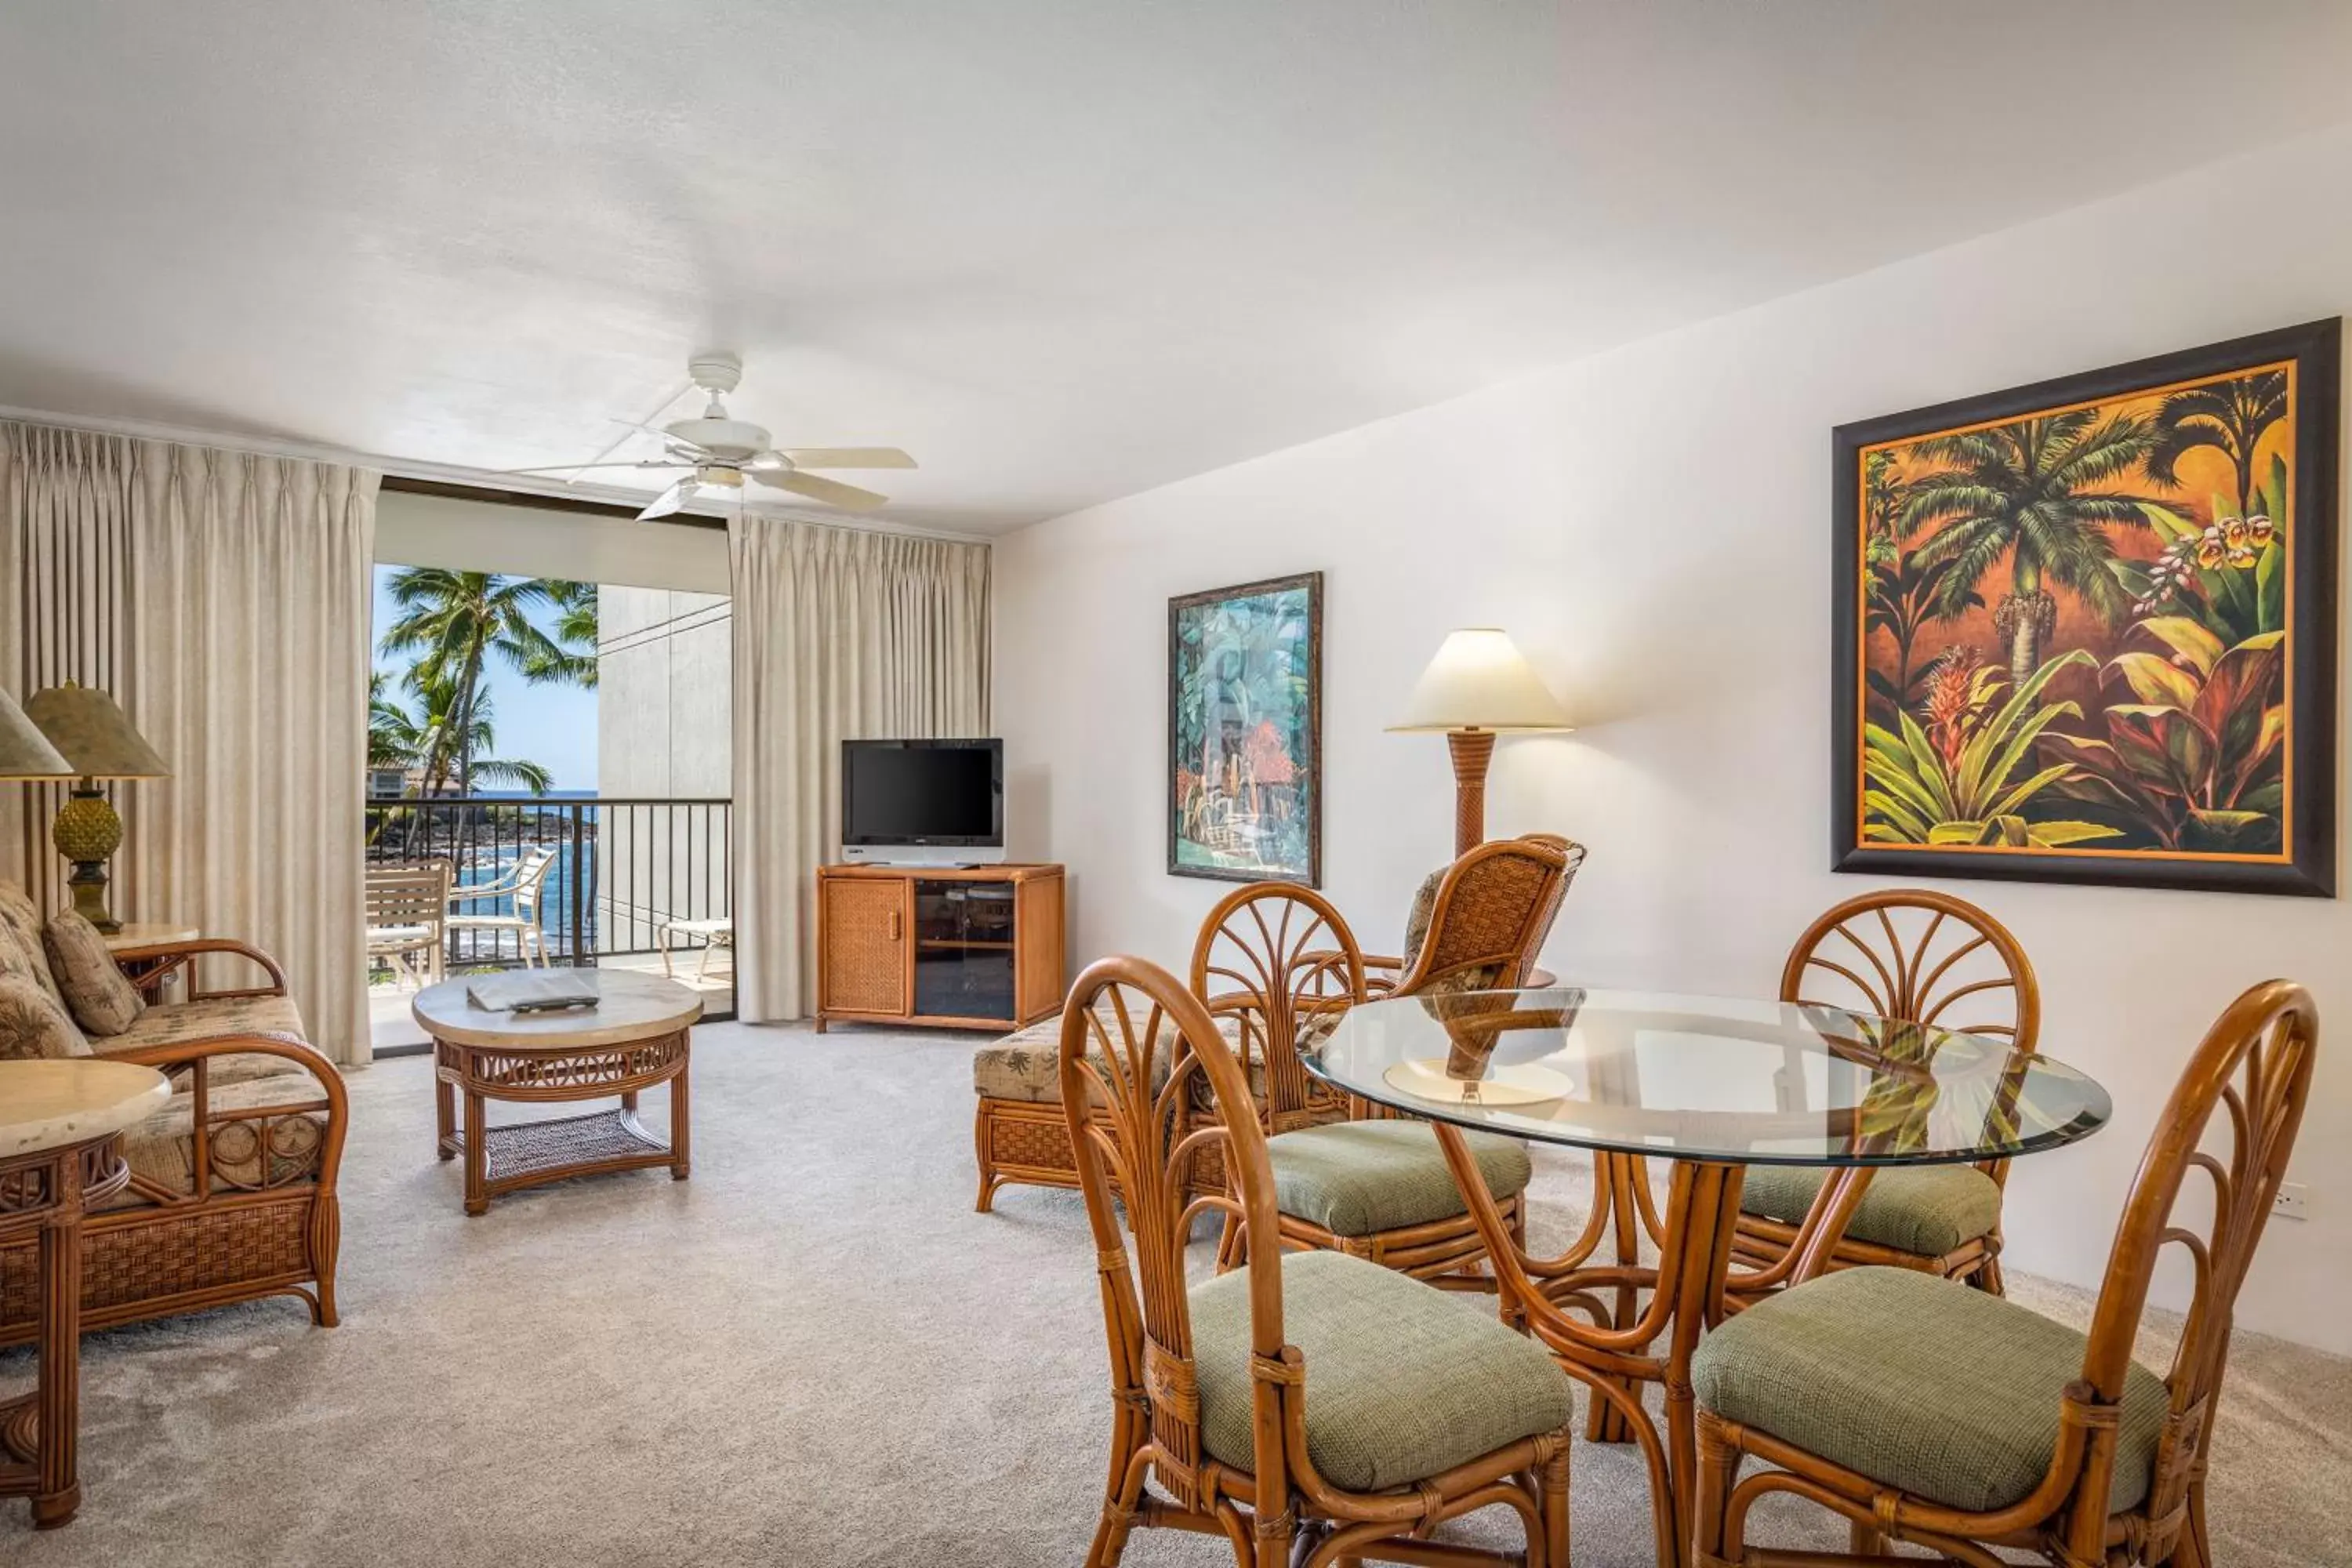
(1707, 1078)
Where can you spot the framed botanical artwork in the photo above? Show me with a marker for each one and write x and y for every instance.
(2085, 630)
(1246, 732)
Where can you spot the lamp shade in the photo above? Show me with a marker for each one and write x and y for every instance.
(25, 752)
(1479, 681)
(94, 735)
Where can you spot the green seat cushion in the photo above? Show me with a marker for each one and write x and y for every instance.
(1930, 1210)
(1919, 1384)
(1354, 1178)
(1403, 1381)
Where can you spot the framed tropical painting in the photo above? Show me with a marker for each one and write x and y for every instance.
(2085, 630)
(1246, 732)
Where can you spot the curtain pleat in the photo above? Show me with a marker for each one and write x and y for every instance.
(223, 598)
(838, 636)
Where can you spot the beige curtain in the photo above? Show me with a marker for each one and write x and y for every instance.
(223, 599)
(839, 636)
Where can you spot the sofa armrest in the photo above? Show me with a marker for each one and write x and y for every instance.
(148, 966)
(195, 1056)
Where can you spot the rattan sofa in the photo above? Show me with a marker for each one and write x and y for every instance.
(232, 1191)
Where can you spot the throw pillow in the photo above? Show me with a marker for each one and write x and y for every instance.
(95, 988)
(20, 928)
(32, 1027)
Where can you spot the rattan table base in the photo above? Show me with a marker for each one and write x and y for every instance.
(49, 1191)
(525, 1154)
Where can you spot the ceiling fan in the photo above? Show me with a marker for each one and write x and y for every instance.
(721, 453)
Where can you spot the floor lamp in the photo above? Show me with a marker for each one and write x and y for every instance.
(1478, 686)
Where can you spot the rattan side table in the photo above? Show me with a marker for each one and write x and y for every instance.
(635, 1037)
(60, 1151)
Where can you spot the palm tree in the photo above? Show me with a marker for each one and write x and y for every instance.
(2229, 415)
(2025, 492)
(399, 738)
(574, 628)
(454, 622)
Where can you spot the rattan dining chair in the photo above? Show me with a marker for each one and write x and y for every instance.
(1377, 1186)
(1309, 1408)
(1927, 1413)
(1929, 958)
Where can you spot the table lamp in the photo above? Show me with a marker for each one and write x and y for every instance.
(1478, 686)
(98, 742)
(25, 752)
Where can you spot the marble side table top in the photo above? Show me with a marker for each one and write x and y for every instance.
(47, 1103)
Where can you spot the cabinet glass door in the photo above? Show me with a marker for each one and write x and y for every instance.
(963, 950)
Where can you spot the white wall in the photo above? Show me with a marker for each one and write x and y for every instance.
(1652, 525)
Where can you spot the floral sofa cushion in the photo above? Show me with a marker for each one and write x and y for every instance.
(20, 932)
(178, 1023)
(101, 996)
(33, 1025)
(243, 1153)
(1026, 1065)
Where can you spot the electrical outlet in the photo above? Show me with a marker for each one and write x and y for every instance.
(2293, 1201)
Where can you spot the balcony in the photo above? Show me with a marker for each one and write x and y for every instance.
(621, 873)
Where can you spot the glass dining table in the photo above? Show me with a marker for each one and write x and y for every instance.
(1713, 1085)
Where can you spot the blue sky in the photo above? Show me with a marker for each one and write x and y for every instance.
(550, 725)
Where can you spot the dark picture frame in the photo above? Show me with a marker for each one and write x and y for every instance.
(1244, 764)
(2174, 768)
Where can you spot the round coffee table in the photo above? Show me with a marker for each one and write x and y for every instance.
(637, 1037)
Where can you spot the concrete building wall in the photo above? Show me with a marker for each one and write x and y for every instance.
(663, 696)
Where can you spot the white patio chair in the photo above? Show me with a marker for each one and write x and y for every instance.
(525, 882)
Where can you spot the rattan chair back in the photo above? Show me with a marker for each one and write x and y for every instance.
(1490, 917)
(1135, 1154)
(1278, 959)
(2243, 1093)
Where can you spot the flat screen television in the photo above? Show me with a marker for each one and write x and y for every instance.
(922, 803)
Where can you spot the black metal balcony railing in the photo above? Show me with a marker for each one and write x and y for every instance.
(625, 866)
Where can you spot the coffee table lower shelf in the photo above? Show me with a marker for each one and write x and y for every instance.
(528, 1153)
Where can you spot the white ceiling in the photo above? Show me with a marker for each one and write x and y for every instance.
(1062, 250)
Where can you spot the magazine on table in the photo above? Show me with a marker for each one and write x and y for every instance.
(535, 990)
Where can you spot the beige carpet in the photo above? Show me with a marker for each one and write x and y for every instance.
(813, 1352)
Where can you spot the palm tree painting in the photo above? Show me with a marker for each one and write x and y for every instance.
(1245, 738)
(2085, 629)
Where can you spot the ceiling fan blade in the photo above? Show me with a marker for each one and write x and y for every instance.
(848, 457)
(849, 498)
(590, 467)
(669, 500)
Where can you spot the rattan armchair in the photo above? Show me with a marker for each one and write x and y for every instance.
(1310, 1409)
(1927, 1413)
(1377, 1187)
(1930, 958)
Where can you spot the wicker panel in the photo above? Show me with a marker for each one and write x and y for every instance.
(188, 1251)
(1034, 1145)
(531, 1146)
(864, 961)
(639, 1064)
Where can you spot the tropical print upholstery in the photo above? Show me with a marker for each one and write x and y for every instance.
(101, 994)
(180, 1023)
(1026, 1065)
(243, 1153)
(33, 1025)
(20, 932)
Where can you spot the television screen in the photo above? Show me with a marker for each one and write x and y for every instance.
(922, 792)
